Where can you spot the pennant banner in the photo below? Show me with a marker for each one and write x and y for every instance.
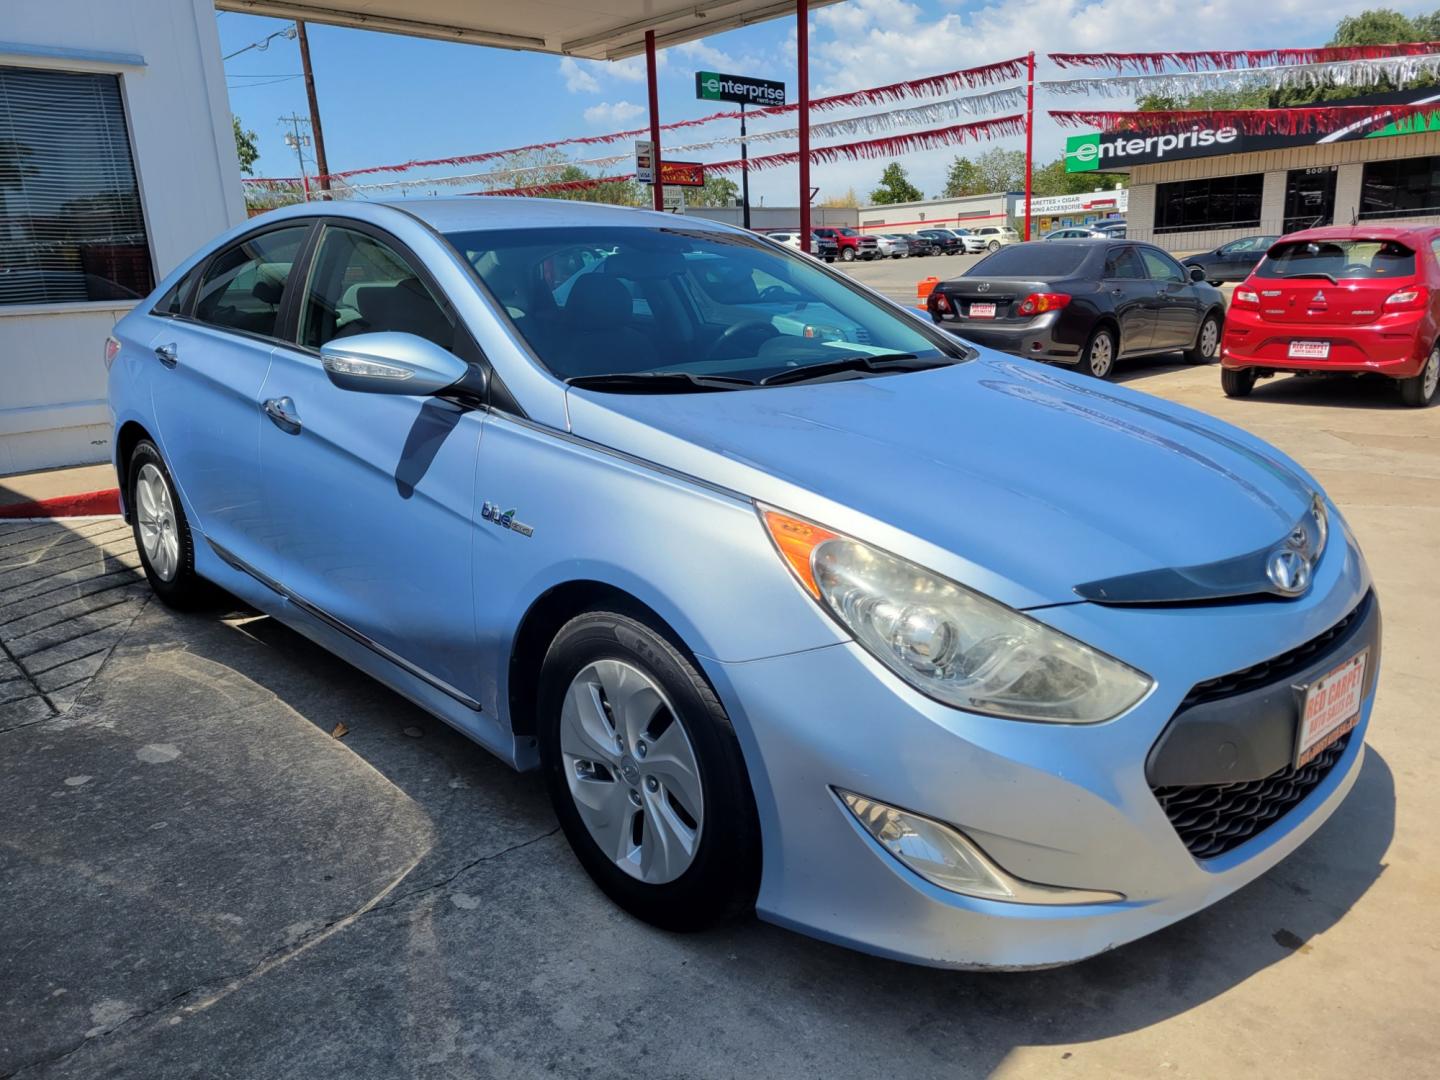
(1322, 118)
(1155, 62)
(1349, 73)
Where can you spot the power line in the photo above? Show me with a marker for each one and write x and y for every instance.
(264, 43)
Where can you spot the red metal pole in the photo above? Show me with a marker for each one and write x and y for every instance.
(1029, 135)
(657, 189)
(802, 56)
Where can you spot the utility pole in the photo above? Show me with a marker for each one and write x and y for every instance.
(299, 142)
(744, 173)
(321, 165)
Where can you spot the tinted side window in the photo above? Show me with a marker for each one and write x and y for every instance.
(1124, 265)
(175, 298)
(1161, 266)
(362, 286)
(244, 284)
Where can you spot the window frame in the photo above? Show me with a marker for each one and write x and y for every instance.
(120, 68)
(1202, 189)
(284, 317)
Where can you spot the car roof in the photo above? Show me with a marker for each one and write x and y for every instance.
(1365, 232)
(474, 213)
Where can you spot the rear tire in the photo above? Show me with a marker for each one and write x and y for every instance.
(1098, 359)
(646, 774)
(1207, 341)
(162, 534)
(1419, 390)
(1237, 382)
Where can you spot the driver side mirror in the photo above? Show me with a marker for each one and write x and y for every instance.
(1197, 273)
(391, 362)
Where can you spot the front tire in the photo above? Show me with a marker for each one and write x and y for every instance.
(994, 246)
(848, 255)
(162, 534)
(646, 774)
(1098, 359)
(1237, 382)
(1207, 341)
(1419, 390)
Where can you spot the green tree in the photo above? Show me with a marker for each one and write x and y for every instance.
(718, 191)
(245, 149)
(1380, 26)
(962, 178)
(1052, 179)
(848, 199)
(895, 187)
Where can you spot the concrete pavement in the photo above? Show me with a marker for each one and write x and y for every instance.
(198, 880)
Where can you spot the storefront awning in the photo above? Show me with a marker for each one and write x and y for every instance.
(594, 29)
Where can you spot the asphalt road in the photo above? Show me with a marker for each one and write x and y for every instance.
(198, 881)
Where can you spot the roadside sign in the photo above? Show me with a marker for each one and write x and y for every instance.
(713, 86)
(644, 161)
(682, 173)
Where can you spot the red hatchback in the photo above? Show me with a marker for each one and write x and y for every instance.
(1342, 301)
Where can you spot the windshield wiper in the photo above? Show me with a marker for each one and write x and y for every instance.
(657, 382)
(882, 363)
(1312, 274)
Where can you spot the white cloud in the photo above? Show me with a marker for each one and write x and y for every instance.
(612, 113)
(632, 68)
(578, 79)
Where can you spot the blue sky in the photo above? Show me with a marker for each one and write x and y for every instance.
(386, 98)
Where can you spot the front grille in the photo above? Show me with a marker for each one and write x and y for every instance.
(1276, 668)
(1214, 818)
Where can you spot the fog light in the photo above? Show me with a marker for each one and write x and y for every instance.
(946, 857)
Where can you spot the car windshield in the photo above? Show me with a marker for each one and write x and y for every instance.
(611, 300)
(1039, 261)
(1339, 259)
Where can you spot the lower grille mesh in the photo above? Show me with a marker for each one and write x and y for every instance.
(1214, 818)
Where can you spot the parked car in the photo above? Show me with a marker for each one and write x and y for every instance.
(851, 244)
(1114, 229)
(994, 237)
(1087, 303)
(1077, 232)
(943, 241)
(704, 570)
(821, 247)
(1342, 300)
(922, 245)
(1232, 261)
(893, 245)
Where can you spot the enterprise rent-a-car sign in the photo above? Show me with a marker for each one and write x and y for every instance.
(1125, 149)
(712, 86)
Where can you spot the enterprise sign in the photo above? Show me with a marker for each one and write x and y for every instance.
(712, 86)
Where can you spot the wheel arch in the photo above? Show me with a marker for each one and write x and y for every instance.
(1106, 320)
(126, 439)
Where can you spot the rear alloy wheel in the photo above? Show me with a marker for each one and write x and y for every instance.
(646, 775)
(1098, 359)
(1419, 390)
(848, 255)
(1237, 382)
(1207, 342)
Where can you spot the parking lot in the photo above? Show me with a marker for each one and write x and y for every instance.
(229, 854)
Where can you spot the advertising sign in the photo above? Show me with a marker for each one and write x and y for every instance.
(644, 161)
(741, 89)
(682, 173)
(1123, 150)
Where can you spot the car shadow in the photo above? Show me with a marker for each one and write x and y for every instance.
(1375, 392)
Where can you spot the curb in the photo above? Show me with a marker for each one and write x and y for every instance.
(90, 504)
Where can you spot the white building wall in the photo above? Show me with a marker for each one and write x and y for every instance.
(167, 54)
(767, 218)
(972, 211)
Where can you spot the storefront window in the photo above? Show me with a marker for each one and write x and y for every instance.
(1219, 202)
(1406, 188)
(71, 228)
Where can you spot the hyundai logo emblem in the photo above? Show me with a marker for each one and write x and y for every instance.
(1288, 570)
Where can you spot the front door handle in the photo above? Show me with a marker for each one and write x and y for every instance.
(167, 354)
(282, 411)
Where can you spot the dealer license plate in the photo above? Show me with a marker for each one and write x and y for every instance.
(1309, 350)
(1331, 708)
(982, 311)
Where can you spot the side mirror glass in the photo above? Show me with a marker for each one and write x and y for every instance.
(391, 363)
(1197, 273)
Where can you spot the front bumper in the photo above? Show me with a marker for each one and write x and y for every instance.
(1396, 345)
(1056, 804)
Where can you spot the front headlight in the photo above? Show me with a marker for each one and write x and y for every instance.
(952, 644)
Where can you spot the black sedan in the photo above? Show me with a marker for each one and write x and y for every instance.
(1232, 261)
(1083, 302)
(942, 242)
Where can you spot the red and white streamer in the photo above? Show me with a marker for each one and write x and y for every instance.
(1220, 59)
(1359, 74)
(1298, 121)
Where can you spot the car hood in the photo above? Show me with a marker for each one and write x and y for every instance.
(1017, 479)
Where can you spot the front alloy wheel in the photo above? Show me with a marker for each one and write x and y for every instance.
(848, 255)
(645, 772)
(994, 246)
(1419, 390)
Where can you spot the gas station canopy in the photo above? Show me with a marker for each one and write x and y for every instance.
(594, 29)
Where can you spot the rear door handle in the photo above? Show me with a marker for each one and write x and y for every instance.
(282, 412)
(167, 354)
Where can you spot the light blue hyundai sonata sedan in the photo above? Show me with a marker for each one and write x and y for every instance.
(798, 603)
